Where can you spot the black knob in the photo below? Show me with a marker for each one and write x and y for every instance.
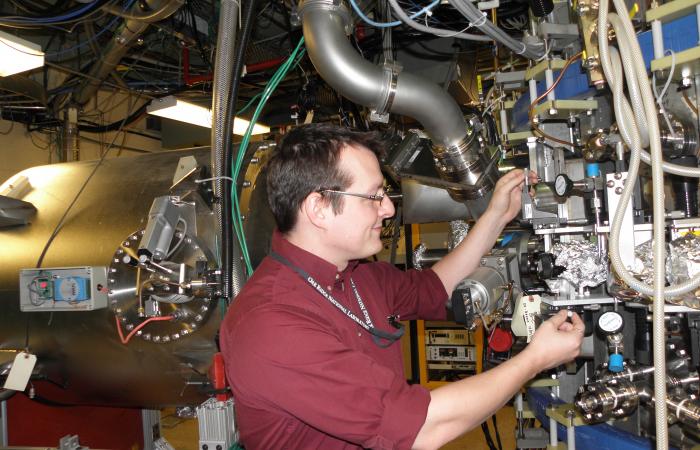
(563, 185)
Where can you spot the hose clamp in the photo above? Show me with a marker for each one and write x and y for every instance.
(331, 6)
(390, 72)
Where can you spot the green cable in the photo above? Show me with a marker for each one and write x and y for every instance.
(242, 149)
(267, 92)
(250, 102)
(239, 233)
(276, 79)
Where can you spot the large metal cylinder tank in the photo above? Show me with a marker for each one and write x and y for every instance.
(81, 350)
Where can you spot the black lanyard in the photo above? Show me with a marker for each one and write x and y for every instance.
(377, 335)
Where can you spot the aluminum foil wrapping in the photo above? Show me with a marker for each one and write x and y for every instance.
(458, 231)
(682, 264)
(580, 258)
(644, 262)
(683, 259)
(418, 256)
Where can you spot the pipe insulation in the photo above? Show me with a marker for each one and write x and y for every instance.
(237, 266)
(120, 44)
(629, 130)
(232, 271)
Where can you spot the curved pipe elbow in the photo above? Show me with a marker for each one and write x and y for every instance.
(337, 62)
(434, 108)
(387, 89)
(364, 83)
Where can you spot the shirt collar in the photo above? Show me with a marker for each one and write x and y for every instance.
(321, 270)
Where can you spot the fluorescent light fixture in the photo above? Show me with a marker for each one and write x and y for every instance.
(18, 55)
(172, 108)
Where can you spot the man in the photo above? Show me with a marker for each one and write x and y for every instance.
(308, 344)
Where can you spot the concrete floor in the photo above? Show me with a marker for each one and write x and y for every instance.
(182, 433)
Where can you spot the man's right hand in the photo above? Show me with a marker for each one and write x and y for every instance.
(461, 406)
(556, 341)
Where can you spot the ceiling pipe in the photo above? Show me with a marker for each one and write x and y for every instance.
(191, 80)
(383, 89)
(122, 41)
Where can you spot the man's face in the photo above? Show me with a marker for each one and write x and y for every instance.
(355, 232)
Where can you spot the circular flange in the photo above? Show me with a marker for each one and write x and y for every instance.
(138, 292)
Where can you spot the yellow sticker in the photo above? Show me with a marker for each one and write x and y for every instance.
(634, 10)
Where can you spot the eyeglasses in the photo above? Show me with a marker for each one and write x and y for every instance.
(374, 197)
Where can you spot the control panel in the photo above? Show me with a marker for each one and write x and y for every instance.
(63, 289)
(450, 352)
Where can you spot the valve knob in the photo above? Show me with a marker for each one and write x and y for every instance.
(563, 185)
(616, 363)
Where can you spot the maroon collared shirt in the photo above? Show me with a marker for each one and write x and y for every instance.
(304, 375)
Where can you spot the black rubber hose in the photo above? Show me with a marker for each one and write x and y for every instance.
(686, 189)
(541, 8)
(227, 163)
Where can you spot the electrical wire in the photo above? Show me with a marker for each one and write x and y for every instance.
(77, 46)
(75, 14)
(125, 340)
(395, 23)
(535, 128)
(93, 37)
(435, 31)
(59, 225)
(293, 59)
(182, 238)
(249, 104)
(478, 19)
(689, 102)
(12, 126)
(660, 97)
(495, 430)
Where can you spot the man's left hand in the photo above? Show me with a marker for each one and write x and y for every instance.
(506, 199)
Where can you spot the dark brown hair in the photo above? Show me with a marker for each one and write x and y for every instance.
(306, 161)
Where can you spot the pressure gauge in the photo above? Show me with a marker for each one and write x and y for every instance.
(611, 322)
(563, 185)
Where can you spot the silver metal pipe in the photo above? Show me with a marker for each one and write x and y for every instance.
(387, 89)
(553, 439)
(370, 85)
(570, 432)
(223, 79)
(424, 257)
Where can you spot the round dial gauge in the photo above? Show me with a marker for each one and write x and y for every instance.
(562, 185)
(611, 322)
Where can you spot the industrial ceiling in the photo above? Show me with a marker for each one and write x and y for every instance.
(153, 48)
